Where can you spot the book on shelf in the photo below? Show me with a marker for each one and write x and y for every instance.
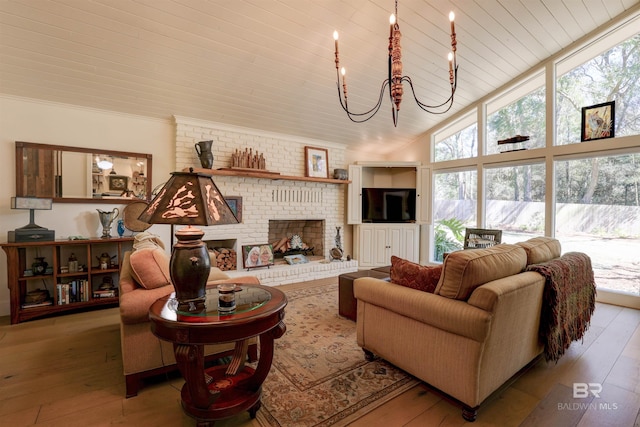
(37, 304)
(62, 289)
(111, 293)
(74, 291)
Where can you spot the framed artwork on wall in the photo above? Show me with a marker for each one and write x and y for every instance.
(598, 121)
(235, 203)
(316, 162)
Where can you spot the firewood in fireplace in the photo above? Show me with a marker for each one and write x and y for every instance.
(226, 258)
(281, 245)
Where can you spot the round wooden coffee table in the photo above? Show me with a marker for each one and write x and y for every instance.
(221, 391)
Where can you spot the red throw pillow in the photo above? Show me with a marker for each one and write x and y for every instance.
(416, 276)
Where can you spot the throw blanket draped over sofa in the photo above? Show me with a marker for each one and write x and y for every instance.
(568, 301)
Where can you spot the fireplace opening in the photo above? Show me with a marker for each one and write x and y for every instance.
(309, 231)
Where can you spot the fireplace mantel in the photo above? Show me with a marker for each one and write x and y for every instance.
(265, 175)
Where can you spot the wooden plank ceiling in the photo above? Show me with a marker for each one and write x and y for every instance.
(269, 64)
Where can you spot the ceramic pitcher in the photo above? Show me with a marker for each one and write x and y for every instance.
(106, 219)
(203, 148)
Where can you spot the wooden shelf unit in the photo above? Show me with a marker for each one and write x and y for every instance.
(265, 175)
(21, 255)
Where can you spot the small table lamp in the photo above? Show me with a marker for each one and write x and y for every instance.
(189, 198)
(31, 232)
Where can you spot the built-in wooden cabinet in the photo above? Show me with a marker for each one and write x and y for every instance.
(376, 243)
(389, 175)
(69, 284)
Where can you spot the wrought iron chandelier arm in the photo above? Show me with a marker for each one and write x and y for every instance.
(433, 108)
(362, 117)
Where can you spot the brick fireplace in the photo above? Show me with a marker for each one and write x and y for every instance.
(311, 209)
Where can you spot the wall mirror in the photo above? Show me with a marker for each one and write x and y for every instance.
(81, 175)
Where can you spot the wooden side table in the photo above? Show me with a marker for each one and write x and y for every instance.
(221, 391)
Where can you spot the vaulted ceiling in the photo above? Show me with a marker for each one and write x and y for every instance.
(269, 64)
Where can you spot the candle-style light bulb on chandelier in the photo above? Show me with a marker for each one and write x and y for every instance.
(395, 79)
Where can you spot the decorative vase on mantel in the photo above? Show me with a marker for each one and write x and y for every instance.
(203, 148)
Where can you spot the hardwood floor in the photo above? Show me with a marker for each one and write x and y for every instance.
(67, 371)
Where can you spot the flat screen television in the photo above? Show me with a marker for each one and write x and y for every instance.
(388, 205)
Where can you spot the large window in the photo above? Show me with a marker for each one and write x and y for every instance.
(455, 203)
(515, 201)
(611, 76)
(461, 144)
(598, 212)
(524, 116)
(589, 200)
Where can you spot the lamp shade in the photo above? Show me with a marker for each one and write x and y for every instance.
(189, 198)
(31, 203)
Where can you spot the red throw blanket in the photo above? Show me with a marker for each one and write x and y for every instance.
(568, 301)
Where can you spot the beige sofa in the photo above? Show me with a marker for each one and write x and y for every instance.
(143, 354)
(478, 329)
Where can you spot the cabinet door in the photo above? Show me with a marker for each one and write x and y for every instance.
(395, 242)
(354, 195)
(373, 247)
(411, 243)
(381, 247)
(366, 240)
(405, 241)
(423, 196)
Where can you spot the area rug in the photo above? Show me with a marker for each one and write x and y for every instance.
(319, 376)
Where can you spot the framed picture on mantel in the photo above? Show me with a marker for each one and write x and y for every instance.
(316, 162)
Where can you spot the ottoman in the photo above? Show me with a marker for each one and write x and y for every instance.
(385, 269)
(347, 304)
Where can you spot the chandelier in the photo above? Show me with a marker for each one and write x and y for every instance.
(395, 79)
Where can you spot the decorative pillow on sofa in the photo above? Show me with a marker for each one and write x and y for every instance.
(416, 276)
(463, 271)
(541, 249)
(150, 267)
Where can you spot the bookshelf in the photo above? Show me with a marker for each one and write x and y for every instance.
(91, 284)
